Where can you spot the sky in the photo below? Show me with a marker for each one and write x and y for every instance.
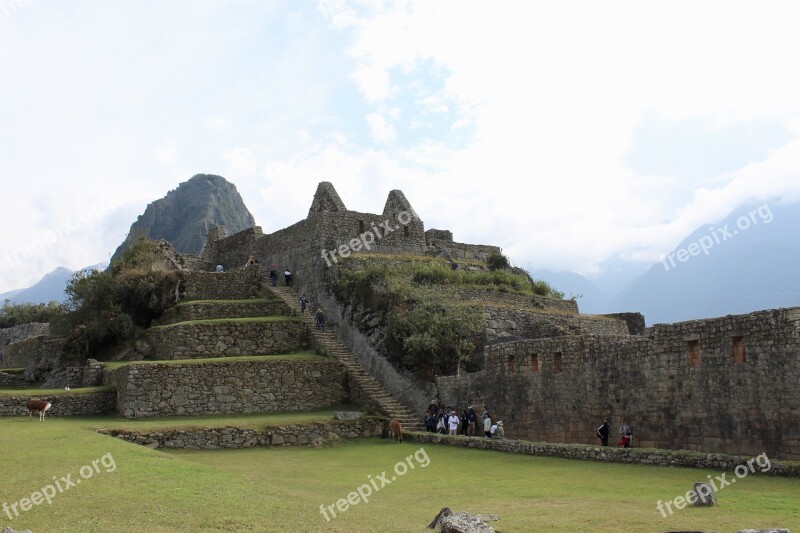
(570, 134)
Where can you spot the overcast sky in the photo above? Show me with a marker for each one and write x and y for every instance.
(569, 133)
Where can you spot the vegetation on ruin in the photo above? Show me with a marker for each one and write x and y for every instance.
(44, 393)
(245, 320)
(281, 489)
(429, 333)
(245, 420)
(249, 301)
(306, 355)
(106, 309)
(12, 314)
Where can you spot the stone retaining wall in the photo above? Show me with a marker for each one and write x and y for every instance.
(8, 379)
(212, 310)
(559, 389)
(30, 351)
(227, 339)
(19, 333)
(510, 322)
(715, 461)
(145, 390)
(232, 285)
(315, 434)
(90, 403)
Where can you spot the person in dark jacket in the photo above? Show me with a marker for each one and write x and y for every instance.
(602, 432)
(472, 419)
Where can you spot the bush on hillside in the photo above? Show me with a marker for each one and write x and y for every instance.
(497, 261)
(106, 309)
(17, 314)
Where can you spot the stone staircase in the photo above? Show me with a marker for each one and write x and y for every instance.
(355, 370)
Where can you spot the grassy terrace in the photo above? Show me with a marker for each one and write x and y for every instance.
(251, 301)
(257, 319)
(281, 489)
(306, 355)
(53, 392)
(252, 421)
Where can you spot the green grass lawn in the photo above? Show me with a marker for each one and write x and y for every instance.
(243, 420)
(249, 301)
(255, 319)
(305, 355)
(139, 489)
(29, 391)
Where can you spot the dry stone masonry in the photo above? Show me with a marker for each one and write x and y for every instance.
(229, 437)
(719, 385)
(204, 388)
(227, 338)
(83, 404)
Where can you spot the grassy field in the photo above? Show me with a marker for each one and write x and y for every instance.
(305, 355)
(138, 489)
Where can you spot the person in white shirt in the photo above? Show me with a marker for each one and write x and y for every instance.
(452, 422)
(487, 426)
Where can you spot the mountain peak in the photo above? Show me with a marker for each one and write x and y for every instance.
(184, 216)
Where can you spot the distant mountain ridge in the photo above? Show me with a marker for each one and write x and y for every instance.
(184, 216)
(750, 265)
(48, 289)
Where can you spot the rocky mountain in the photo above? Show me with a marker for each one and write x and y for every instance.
(184, 216)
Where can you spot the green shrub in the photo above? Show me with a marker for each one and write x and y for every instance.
(16, 314)
(106, 309)
(497, 261)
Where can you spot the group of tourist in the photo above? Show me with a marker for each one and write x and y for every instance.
(448, 422)
(625, 433)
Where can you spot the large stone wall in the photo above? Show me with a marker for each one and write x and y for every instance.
(19, 333)
(227, 338)
(83, 404)
(238, 284)
(212, 310)
(511, 322)
(716, 461)
(719, 405)
(145, 390)
(214, 438)
(32, 350)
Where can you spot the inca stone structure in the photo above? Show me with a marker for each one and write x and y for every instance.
(550, 373)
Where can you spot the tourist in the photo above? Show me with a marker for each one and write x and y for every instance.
(499, 432)
(602, 432)
(430, 422)
(464, 422)
(219, 269)
(472, 419)
(487, 425)
(452, 423)
(320, 319)
(441, 426)
(627, 435)
(273, 274)
(303, 303)
(434, 409)
(287, 276)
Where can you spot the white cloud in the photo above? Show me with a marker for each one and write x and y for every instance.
(381, 129)
(509, 124)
